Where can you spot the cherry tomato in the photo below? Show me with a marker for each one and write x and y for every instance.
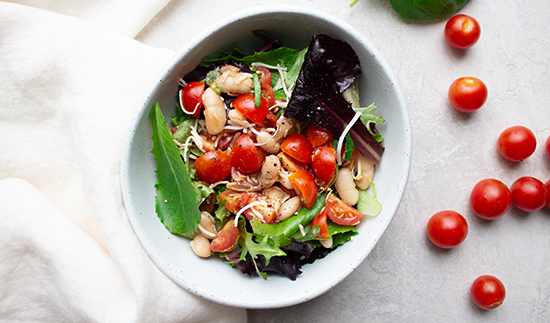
(462, 31)
(341, 213)
(324, 163)
(547, 193)
(488, 292)
(213, 166)
(231, 200)
(304, 185)
(447, 229)
(265, 82)
(297, 146)
(548, 146)
(191, 98)
(245, 104)
(226, 239)
(290, 163)
(516, 143)
(321, 220)
(266, 212)
(245, 157)
(467, 94)
(529, 194)
(318, 135)
(490, 199)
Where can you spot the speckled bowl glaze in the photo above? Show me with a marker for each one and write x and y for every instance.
(212, 278)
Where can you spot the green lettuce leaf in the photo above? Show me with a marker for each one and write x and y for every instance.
(368, 204)
(177, 201)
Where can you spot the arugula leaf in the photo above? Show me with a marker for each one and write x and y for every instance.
(177, 201)
(427, 9)
(368, 204)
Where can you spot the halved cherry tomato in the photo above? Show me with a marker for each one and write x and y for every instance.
(324, 163)
(191, 98)
(226, 239)
(341, 213)
(297, 146)
(245, 157)
(318, 135)
(231, 200)
(291, 164)
(213, 166)
(321, 220)
(266, 212)
(245, 104)
(304, 185)
(270, 120)
(265, 81)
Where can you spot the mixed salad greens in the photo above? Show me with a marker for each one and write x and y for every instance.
(270, 158)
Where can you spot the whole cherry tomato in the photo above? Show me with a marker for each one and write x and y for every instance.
(298, 147)
(490, 199)
(516, 143)
(191, 98)
(245, 104)
(488, 292)
(529, 194)
(213, 166)
(467, 94)
(547, 193)
(548, 146)
(304, 185)
(341, 213)
(324, 163)
(245, 157)
(447, 229)
(462, 31)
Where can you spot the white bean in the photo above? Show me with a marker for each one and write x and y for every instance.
(345, 186)
(214, 111)
(238, 118)
(366, 167)
(233, 82)
(327, 243)
(201, 246)
(270, 171)
(267, 142)
(276, 192)
(207, 226)
(288, 208)
(283, 126)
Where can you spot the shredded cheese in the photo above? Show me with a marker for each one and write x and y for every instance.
(343, 137)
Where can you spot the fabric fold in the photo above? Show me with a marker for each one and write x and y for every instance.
(68, 91)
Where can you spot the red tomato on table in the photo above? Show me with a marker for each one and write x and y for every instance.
(462, 31)
(529, 194)
(447, 229)
(490, 199)
(488, 292)
(516, 143)
(467, 94)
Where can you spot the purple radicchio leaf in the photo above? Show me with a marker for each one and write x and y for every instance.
(329, 68)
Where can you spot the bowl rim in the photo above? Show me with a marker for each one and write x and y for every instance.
(243, 14)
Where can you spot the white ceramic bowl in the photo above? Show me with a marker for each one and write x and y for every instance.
(213, 278)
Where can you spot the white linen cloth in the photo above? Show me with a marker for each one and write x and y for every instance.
(68, 89)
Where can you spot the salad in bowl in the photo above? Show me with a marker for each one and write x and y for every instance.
(269, 160)
(217, 179)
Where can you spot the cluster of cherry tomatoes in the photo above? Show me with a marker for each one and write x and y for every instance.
(490, 199)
